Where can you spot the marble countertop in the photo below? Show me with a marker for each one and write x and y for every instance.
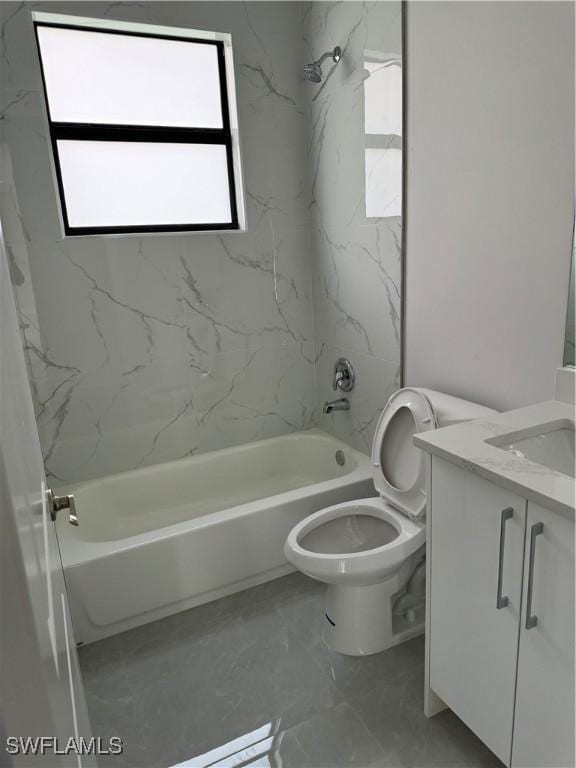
(465, 445)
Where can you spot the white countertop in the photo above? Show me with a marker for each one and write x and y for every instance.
(465, 444)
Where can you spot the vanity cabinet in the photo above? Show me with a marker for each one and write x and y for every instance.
(500, 639)
(544, 718)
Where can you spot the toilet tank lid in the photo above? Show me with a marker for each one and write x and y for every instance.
(453, 410)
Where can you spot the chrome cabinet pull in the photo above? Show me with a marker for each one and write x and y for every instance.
(535, 530)
(502, 600)
(56, 503)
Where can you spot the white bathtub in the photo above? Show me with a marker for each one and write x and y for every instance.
(162, 539)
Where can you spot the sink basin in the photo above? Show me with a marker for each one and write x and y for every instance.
(550, 445)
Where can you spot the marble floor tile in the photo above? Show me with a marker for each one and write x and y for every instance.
(339, 739)
(279, 749)
(247, 681)
(356, 676)
(394, 713)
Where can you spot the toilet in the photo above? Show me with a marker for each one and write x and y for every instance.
(371, 552)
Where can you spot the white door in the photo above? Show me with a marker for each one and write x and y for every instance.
(544, 720)
(476, 549)
(41, 687)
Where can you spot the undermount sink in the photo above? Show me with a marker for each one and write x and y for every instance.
(550, 445)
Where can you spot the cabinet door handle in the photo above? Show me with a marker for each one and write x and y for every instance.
(535, 530)
(502, 600)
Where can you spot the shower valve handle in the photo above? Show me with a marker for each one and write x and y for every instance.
(344, 377)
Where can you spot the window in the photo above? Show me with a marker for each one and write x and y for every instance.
(383, 129)
(143, 126)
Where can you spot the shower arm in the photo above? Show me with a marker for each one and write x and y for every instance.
(335, 55)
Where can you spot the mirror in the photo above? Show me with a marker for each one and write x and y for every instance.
(383, 130)
(569, 350)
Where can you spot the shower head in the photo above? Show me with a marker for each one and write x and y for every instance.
(313, 72)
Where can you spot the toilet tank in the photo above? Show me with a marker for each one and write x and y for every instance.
(454, 410)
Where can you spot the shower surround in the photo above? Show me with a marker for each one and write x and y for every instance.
(356, 261)
(144, 350)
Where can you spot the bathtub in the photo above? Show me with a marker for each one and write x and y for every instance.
(166, 538)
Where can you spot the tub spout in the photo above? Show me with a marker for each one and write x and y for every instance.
(342, 404)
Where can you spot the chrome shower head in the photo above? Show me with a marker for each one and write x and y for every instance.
(313, 72)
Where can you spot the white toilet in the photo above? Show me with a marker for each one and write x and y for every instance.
(371, 552)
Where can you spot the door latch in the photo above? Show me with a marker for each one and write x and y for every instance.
(56, 503)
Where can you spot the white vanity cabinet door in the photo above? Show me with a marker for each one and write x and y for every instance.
(473, 644)
(544, 720)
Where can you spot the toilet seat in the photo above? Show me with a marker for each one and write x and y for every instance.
(398, 467)
(362, 567)
(399, 474)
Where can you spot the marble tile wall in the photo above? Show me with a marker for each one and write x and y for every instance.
(142, 350)
(356, 262)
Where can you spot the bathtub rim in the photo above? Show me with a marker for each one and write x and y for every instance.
(75, 551)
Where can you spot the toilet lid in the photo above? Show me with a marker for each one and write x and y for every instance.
(398, 467)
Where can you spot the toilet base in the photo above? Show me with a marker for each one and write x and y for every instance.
(358, 620)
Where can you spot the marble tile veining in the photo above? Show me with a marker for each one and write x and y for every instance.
(146, 349)
(356, 260)
(247, 681)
